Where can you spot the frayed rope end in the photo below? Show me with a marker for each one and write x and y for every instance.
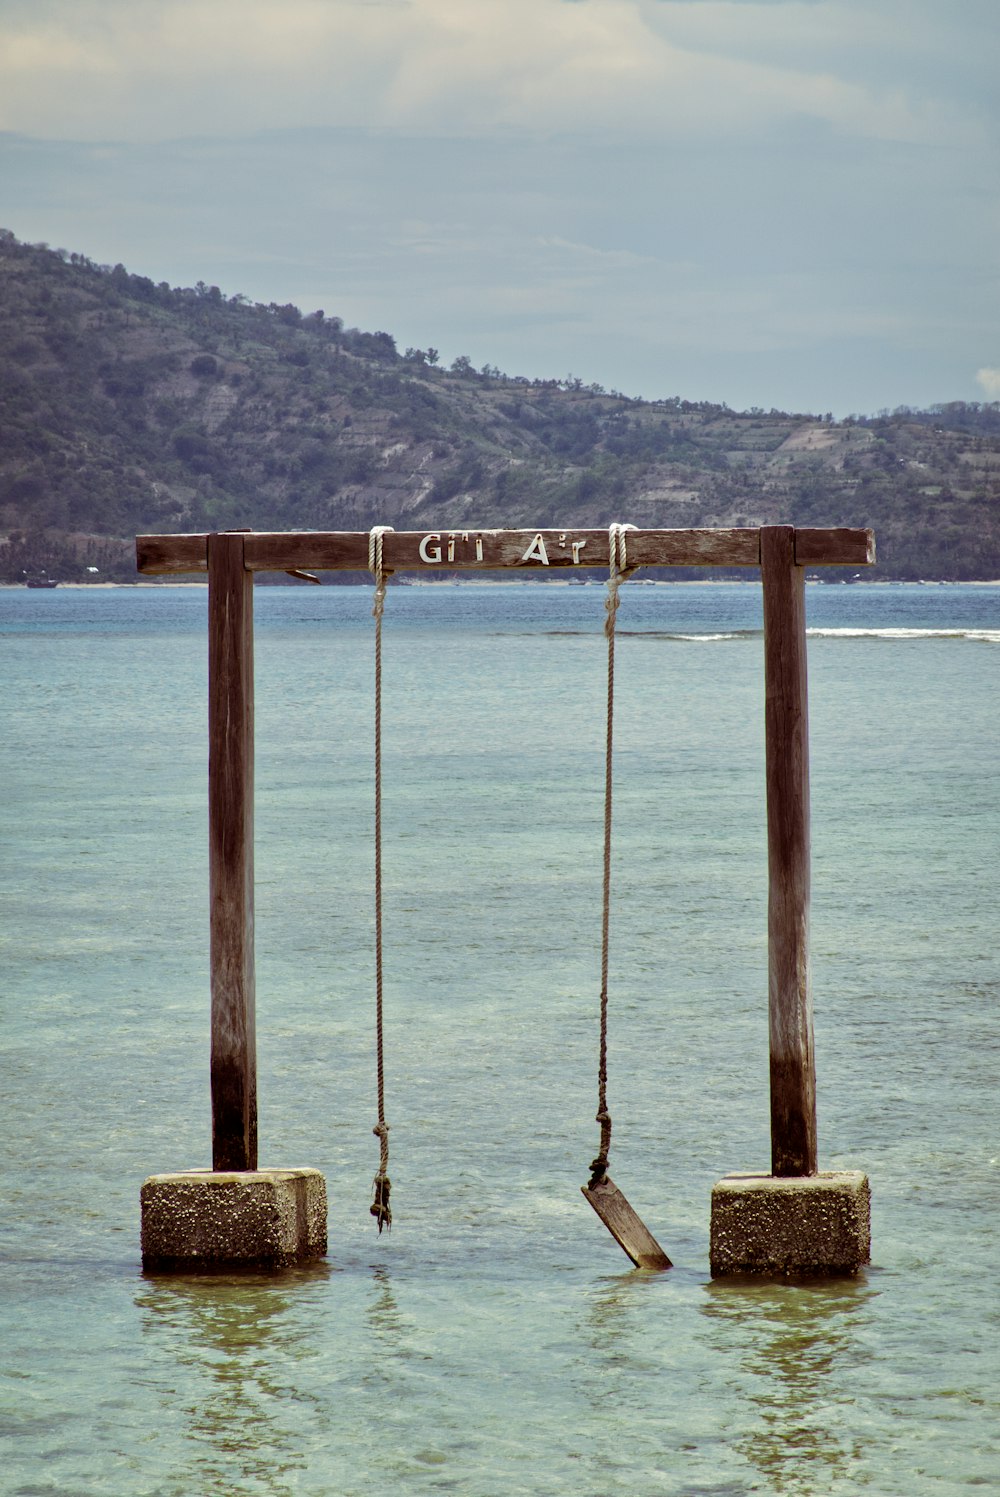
(380, 1205)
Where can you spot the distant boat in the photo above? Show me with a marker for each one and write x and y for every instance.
(40, 582)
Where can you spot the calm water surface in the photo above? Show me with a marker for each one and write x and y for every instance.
(497, 1342)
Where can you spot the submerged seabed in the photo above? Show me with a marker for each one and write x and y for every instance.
(496, 1342)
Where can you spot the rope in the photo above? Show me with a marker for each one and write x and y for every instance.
(381, 1184)
(618, 572)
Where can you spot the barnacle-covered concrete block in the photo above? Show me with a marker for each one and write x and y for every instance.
(253, 1219)
(811, 1224)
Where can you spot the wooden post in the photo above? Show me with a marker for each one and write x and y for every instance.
(230, 816)
(793, 1065)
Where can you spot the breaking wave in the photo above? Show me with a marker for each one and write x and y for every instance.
(982, 636)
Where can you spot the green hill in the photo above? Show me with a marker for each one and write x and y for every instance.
(129, 406)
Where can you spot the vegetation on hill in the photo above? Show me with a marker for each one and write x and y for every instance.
(129, 406)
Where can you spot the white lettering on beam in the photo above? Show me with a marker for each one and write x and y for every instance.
(536, 551)
(432, 549)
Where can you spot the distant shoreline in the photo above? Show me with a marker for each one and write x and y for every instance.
(473, 581)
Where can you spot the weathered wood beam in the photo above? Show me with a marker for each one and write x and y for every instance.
(230, 816)
(851, 548)
(162, 555)
(486, 550)
(786, 720)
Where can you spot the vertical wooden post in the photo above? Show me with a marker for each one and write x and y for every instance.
(230, 816)
(793, 1064)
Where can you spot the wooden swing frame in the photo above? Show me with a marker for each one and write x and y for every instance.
(231, 558)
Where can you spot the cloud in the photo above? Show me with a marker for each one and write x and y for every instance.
(155, 69)
(989, 380)
(766, 201)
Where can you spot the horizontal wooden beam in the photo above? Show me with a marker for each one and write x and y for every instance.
(834, 548)
(491, 550)
(161, 555)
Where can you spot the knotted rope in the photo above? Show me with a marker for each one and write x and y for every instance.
(618, 572)
(381, 1184)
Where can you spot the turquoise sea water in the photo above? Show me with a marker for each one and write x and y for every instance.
(497, 1342)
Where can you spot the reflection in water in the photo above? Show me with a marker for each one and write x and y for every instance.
(617, 1312)
(796, 1347)
(383, 1312)
(616, 1299)
(235, 1340)
(392, 1340)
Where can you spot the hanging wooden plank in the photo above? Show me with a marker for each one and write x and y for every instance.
(230, 814)
(486, 550)
(793, 1065)
(629, 1231)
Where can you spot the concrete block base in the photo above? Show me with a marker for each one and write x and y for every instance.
(816, 1224)
(259, 1219)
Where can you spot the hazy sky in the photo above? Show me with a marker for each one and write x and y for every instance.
(766, 202)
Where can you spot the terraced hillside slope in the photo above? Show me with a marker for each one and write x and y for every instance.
(130, 406)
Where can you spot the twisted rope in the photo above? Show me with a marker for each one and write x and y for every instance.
(618, 572)
(381, 1184)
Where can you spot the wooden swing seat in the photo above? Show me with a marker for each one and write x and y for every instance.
(631, 1234)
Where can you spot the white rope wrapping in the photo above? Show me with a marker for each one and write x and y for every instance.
(376, 568)
(619, 571)
(380, 1207)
